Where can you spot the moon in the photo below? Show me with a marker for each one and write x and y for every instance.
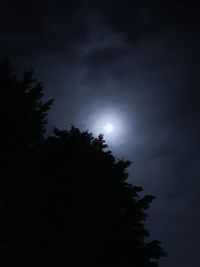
(111, 123)
(109, 127)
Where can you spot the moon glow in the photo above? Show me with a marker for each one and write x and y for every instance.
(109, 122)
(109, 127)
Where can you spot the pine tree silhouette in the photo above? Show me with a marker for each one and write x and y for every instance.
(23, 120)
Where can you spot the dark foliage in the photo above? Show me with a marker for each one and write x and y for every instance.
(23, 126)
(65, 199)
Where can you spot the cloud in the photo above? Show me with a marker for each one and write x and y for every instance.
(100, 58)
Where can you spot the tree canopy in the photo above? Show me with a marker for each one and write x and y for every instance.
(65, 198)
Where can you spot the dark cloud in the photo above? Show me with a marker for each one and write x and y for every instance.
(136, 18)
(100, 58)
(42, 27)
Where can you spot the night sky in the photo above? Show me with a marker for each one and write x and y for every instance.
(134, 64)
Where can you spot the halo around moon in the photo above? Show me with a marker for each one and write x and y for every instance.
(110, 123)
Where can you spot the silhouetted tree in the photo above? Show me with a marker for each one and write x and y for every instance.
(23, 126)
(65, 199)
(23, 113)
(101, 212)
